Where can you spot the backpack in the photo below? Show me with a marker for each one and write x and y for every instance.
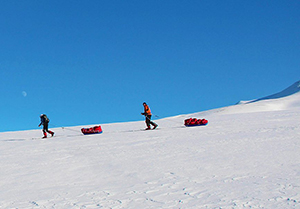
(47, 120)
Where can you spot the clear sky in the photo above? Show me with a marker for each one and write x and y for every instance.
(97, 61)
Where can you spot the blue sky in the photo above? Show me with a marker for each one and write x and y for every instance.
(95, 62)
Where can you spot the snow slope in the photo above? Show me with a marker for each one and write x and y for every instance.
(284, 100)
(246, 157)
(293, 89)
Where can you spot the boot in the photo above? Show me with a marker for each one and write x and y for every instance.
(148, 128)
(155, 126)
(52, 133)
(45, 135)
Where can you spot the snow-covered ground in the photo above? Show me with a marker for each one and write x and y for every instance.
(248, 156)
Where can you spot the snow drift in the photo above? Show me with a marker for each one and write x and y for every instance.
(247, 157)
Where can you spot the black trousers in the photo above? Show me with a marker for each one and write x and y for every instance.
(45, 128)
(148, 121)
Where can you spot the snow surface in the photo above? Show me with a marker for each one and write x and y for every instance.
(248, 156)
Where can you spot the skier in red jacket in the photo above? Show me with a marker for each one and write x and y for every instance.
(148, 115)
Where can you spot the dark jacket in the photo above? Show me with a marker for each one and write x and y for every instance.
(44, 120)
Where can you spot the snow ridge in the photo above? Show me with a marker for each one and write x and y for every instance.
(293, 89)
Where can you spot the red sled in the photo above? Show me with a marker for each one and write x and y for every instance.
(93, 130)
(195, 122)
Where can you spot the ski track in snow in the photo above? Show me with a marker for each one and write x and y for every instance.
(239, 160)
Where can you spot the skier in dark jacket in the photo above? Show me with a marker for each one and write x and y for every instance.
(45, 122)
(148, 115)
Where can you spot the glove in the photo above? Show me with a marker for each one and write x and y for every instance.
(143, 113)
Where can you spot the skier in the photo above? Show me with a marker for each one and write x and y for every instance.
(147, 113)
(45, 121)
